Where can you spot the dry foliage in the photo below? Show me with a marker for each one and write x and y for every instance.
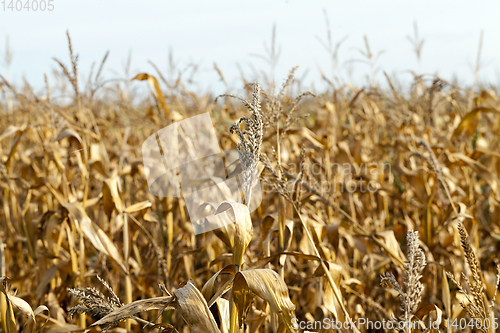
(344, 197)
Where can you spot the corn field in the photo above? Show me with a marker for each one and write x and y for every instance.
(380, 203)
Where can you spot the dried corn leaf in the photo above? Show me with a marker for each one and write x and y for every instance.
(391, 245)
(156, 88)
(268, 285)
(131, 309)
(30, 323)
(138, 207)
(58, 327)
(427, 309)
(264, 261)
(331, 302)
(195, 310)
(470, 121)
(492, 180)
(308, 135)
(11, 130)
(46, 278)
(226, 234)
(69, 132)
(243, 230)
(243, 297)
(22, 305)
(223, 308)
(8, 318)
(94, 233)
(446, 296)
(111, 196)
(209, 289)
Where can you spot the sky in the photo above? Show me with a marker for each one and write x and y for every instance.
(230, 33)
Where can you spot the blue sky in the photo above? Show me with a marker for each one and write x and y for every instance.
(228, 32)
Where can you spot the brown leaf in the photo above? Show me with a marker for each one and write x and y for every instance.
(195, 310)
(268, 285)
(308, 135)
(11, 130)
(331, 303)
(138, 207)
(469, 121)
(156, 88)
(391, 245)
(208, 289)
(30, 323)
(10, 324)
(492, 180)
(428, 308)
(94, 233)
(243, 228)
(69, 132)
(131, 309)
(243, 297)
(111, 196)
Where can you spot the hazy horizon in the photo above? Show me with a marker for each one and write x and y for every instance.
(228, 34)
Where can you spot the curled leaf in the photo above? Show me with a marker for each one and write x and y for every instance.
(427, 309)
(111, 196)
(243, 230)
(208, 289)
(69, 132)
(131, 309)
(195, 310)
(268, 285)
(470, 121)
(9, 321)
(156, 89)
